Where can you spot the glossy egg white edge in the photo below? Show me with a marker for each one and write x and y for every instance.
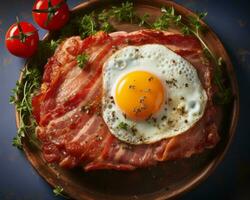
(185, 98)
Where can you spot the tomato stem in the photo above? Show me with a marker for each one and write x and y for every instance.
(21, 36)
(19, 25)
(51, 10)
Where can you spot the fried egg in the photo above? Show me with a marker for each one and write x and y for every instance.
(150, 93)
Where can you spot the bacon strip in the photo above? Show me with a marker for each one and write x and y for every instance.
(68, 111)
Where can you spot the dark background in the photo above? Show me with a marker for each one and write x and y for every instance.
(231, 179)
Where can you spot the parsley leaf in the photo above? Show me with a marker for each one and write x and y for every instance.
(82, 60)
(53, 44)
(87, 25)
(123, 125)
(16, 142)
(106, 27)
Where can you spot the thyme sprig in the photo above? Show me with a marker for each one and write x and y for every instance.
(168, 17)
(21, 97)
(144, 20)
(123, 13)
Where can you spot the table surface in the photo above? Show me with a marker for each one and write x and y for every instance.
(231, 179)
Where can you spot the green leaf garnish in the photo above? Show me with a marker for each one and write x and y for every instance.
(22, 94)
(106, 27)
(104, 15)
(58, 191)
(143, 19)
(16, 142)
(82, 60)
(161, 24)
(123, 125)
(88, 25)
(124, 13)
(202, 15)
(185, 30)
(53, 44)
(167, 18)
(21, 97)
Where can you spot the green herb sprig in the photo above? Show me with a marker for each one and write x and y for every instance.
(88, 25)
(168, 17)
(21, 97)
(144, 20)
(53, 44)
(224, 95)
(58, 191)
(123, 125)
(123, 13)
(82, 60)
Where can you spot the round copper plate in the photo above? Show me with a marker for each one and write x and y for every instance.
(164, 181)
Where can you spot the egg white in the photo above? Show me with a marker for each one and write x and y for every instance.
(185, 98)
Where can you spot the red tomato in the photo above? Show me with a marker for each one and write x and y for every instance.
(22, 40)
(51, 14)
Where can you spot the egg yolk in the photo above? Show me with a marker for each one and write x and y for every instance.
(139, 94)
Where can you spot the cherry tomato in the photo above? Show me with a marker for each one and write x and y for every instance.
(22, 39)
(51, 14)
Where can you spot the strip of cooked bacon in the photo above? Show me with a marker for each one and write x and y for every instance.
(68, 107)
